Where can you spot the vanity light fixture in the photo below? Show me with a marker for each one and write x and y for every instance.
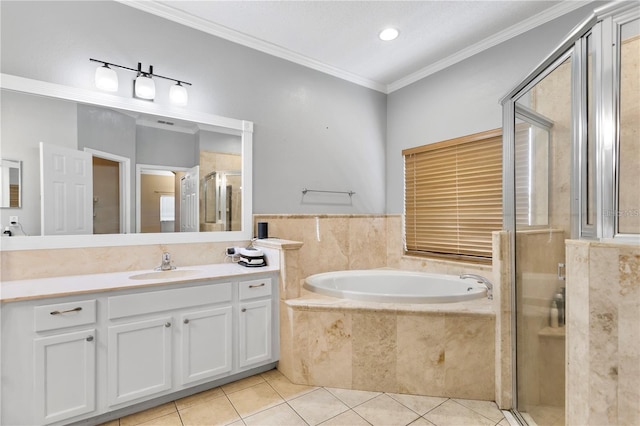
(144, 86)
(388, 34)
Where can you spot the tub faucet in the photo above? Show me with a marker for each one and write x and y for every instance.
(483, 280)
(166, 262)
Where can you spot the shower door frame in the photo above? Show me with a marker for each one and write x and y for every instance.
(604, 25)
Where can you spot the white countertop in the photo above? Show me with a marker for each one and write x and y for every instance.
(13, 291)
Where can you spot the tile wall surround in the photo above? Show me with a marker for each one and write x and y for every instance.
(603, 343)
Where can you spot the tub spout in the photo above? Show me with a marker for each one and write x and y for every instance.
(482, 280)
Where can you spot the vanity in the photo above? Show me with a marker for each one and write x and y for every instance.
(78, 347)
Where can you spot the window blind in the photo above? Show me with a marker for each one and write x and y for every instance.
(453, 197)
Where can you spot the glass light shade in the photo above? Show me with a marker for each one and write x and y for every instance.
(178, 94)
(145, 87)
(106, 79)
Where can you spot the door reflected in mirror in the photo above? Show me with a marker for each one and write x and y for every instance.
(119, 143)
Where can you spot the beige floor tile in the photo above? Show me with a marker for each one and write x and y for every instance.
(417, 403)
(242, 384)
(199, 398)
(241, 423)
(272, 374)
(318, 406)
(450, 413)
(351, 397)
(489, 409)
(171, 419)
(254, 399)
(280, 415)
(504, 422)
(215, 411)
(348, 418)
(422, 422)
(384, 410)
(289, 390)
(115, 422)
(150, 414)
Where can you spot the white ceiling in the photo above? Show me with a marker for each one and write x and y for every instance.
(341, 37)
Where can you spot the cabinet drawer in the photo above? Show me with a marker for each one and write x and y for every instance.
(255, 288)
(166, 300)
(62, 315)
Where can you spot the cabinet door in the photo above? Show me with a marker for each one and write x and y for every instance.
(255, 332)
(65, 376)
(139, 360)
(206, 344)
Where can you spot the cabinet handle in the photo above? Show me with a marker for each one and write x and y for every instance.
(78, 309)
(90, 339)
(256, 285)
(167, 324)
(186, 320)
(244, 309)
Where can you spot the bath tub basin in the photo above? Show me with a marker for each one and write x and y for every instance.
(395, 286)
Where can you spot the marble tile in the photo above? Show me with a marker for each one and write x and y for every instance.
(288, 390)
(330, 348)
(351, 397)
(367, 242)
(418, 403)
(421, 354)
(215, 411)
(272, 375)
(451, 413)
(280, 415)
(384, 410)
(421, 422)
(348, 418)
(488, 409)
(150, 414)
(394, 240)
(470, 356)
(242, 384)
(256, 398)
(199, 398)
(317, 406)
(374, 351)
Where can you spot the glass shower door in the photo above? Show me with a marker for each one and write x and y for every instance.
(542, 154)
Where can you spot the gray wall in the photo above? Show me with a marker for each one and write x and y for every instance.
(464, 98)
(161, 147)
(311, 130)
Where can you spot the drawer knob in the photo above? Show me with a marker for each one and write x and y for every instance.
(78, 309)
(167, 324)
(256, 285)
(90, 339)
(186, 320)
(244, 309)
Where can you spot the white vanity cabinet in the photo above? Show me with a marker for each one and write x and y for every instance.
(66, 359)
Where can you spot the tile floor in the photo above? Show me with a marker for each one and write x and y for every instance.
(271, 399)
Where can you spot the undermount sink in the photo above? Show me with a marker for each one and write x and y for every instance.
(172, 274)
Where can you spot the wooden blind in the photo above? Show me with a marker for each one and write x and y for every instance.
(453, 197)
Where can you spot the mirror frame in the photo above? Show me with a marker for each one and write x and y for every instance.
(242, 127)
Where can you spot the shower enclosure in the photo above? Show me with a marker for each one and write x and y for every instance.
(572, 171)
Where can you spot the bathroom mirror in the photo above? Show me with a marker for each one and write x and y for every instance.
(123, 136)
(10, 186)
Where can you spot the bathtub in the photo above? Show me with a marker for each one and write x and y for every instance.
(395, 286)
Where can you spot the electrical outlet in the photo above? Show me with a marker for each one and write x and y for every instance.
(13, 219)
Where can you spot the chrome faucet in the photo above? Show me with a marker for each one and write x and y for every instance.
(166, 262)
(482, 280)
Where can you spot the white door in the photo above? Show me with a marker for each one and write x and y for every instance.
(206, 346)
(255, 332)
(66, 191)
(139, 359)
(189, 206)
(65, 376)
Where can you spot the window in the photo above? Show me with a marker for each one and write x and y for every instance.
(453, 197)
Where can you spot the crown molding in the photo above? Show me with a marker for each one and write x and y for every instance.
(183, 18)
(180, 17)
(541, 18)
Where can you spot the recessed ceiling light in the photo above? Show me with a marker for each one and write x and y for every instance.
(388, 34)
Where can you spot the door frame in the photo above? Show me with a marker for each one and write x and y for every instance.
(143, 168)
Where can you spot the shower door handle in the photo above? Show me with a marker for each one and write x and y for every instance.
(561, 272)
